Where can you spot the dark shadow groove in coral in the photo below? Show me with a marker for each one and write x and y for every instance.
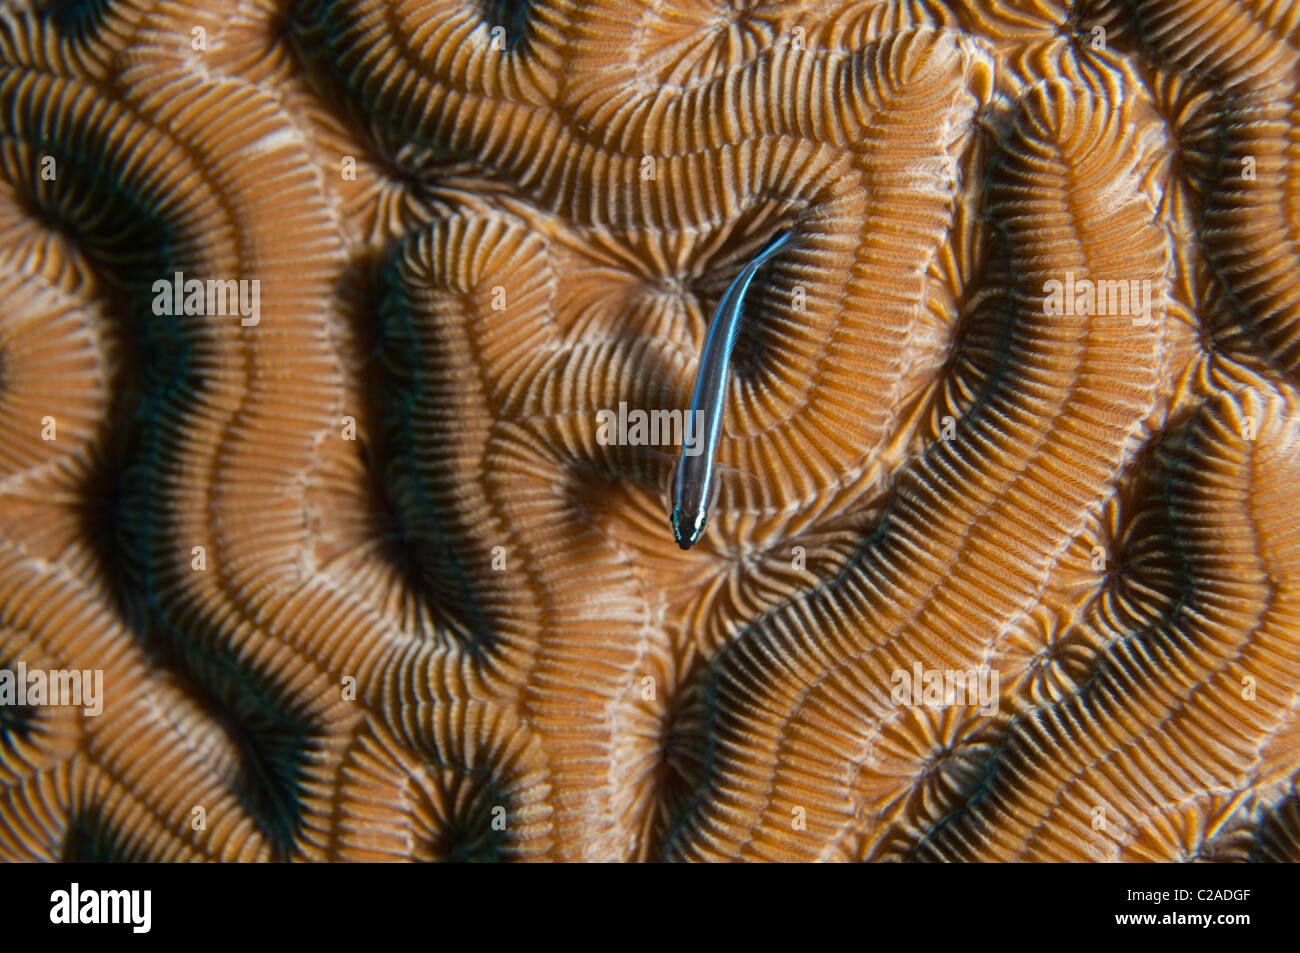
(89, 839)
(127, 515)
(446, 561)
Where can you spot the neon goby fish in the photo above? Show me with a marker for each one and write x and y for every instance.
(693, 485)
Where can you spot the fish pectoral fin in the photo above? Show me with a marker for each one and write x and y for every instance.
(729, 481)
(654, 453)
(734, 474)
(646, 462)
(669, 496)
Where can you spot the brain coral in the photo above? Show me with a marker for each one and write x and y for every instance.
(1015, 573)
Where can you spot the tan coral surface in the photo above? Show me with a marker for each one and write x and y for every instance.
(361, 574)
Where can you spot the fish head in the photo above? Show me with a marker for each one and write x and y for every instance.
(687, 527)
(691, 502)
